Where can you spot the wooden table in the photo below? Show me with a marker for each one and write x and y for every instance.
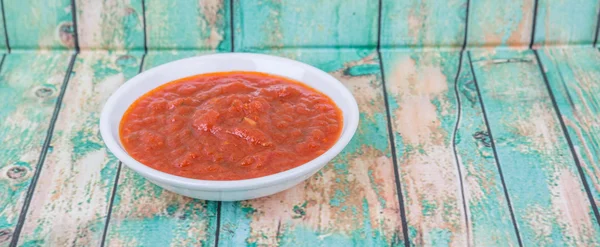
(467, 136)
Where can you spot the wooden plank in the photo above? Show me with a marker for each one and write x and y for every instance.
(33, 25)
(423, 111)
(490, 221)
(188, 25)
(415, 23)
(144, 214)
(353, 200)
(70, 202)
(563, 22)
(29, 86)
(549, 201)
(310, 23)
(111, 24)
(493, 23)
(573, 78)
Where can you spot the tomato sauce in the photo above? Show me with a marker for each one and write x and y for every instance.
(230, 126)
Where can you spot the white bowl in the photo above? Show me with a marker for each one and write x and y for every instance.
(234, 190)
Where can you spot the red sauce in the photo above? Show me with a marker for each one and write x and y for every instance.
(230, 126)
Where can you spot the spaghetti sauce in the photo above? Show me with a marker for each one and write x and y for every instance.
(230, 126)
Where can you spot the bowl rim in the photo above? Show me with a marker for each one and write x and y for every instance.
(229, 185)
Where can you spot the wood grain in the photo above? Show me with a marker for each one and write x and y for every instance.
(189, 24)
(110, 24)
(353, 200)
(33, 24)
(147, 215)
(310, 23)
(29, 86)
(70, 203)
(547, 195)
(499, 24)
(573, 78)
(564, 22)
(415, 23)
(490, 221)
(424, 111)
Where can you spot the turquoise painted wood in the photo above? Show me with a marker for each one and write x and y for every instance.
(72, 196)
(547, 195)
(111, 24)
(573, 78)
(144, 214)
(563, 22)
(33, 24)
(423, 114)
(418, 24)
(353, 200)
(189, 24)
(29, 86)
(312, 23)
(490, 222)
(500, 24)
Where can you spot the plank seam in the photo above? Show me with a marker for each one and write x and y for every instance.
(116, 183)
(394, 156)
(457, 162)
(458, 117)
(534, 24)
(75, 32)
(569, 141)
(42, 156)
(231, 23)
(596, 31)
(391, 135)
(493, 144)
(5, 30)
(145, 31)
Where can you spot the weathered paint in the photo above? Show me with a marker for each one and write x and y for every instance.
(147, 215)
(188, 25)
(29, 86)
(415, 23)
(110, 24)
(423, 111)
(32, 24)
(311, 23)
(565, 22)
(490, 222)
(547, 195)
(353, 200)
(493, 23)
(573, 78)
(70, 202)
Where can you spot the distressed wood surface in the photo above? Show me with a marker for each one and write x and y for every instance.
(413, 23)
(29, 86)
(547, 194)
(111, 24)
(34, 24)
(573, 78)
(493, 23)
(490, 220)
(70, 203)
(423, 112)
(189, 24)
(144, 214)
(311, 23)
(564, 22)
(353, 200)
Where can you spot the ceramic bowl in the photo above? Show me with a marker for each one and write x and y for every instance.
(234, 190)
